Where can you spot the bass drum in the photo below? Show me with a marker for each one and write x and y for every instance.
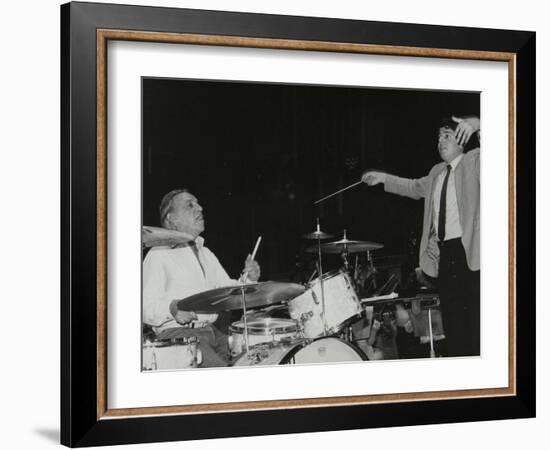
(321, 351)
(325, 350)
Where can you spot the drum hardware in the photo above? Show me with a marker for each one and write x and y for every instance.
(312, 276)
(259, 353)
(349, 337)
(246, 342)
(321, 283)
(242, 280)
(319, 234)
(372, 269)
(314, 298)
(385, 311)
(389, 285)
(344, 254)
(432, 351)
(426, 301)
(304, 317)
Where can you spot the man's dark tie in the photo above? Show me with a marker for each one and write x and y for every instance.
(196, 252)
(443, 207)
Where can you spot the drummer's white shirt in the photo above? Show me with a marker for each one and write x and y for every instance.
(174, 274)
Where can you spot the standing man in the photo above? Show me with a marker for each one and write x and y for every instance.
(171, 274)
(450, 246)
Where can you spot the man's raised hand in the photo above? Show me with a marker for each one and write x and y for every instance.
(465, 128)
(373, 178)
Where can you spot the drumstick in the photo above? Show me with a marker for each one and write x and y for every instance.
(245, 272)
(256, 247)
(338, 192)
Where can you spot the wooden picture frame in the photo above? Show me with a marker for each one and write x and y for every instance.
(85, 417)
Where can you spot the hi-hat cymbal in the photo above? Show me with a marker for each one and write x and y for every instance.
(230, 297)
(157, 237)
(346, 245)
(318, 235)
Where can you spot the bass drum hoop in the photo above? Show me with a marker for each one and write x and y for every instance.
(292, 352)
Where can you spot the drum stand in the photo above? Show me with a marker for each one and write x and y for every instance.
(321, 279)
(245, 320)
(345, 254)
(373, 270)
(432, 351)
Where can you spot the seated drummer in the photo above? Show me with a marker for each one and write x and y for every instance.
(174, 273)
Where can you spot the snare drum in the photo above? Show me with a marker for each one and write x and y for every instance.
(323, 350)
(341, 305)
(178, 353)
(261, 330)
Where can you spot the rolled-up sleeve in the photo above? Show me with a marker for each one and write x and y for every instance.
(156, 302)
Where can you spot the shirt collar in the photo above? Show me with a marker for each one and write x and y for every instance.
(455, 161)
(199, 242)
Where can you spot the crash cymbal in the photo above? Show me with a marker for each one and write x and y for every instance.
(230, 297)
(346, 245)
(318, 235)
(156, 237)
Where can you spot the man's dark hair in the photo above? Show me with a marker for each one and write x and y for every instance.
(166, 204)
(447, 122)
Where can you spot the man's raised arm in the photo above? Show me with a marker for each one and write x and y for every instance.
(413, 188)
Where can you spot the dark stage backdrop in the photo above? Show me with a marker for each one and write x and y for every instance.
(258, 155)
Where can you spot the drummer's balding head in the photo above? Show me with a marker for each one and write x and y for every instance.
(180, 210)
(166, 204)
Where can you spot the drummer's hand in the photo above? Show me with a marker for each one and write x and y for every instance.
(184, 317)
(373, 178)
(251, 269)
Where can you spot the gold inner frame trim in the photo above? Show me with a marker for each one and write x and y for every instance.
(103, 36)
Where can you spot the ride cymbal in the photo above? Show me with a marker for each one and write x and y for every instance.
(230, 297)
(346, 245)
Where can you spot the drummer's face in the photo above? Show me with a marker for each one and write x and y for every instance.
(186, 214)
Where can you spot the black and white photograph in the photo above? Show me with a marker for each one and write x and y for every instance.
(272, 223)
(307, 224)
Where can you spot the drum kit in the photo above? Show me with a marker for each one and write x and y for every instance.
(314, 319)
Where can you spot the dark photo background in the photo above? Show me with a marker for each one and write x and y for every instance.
(258, 155)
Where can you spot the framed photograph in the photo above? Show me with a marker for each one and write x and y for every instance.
(278, 224)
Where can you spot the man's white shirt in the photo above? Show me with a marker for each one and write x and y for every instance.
(452, 219)
(174, 274)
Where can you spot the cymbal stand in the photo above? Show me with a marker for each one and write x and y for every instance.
(242, 280)
(321, 279)
(245, 320)
(373, 270)
(345, 254)
(432, 351)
